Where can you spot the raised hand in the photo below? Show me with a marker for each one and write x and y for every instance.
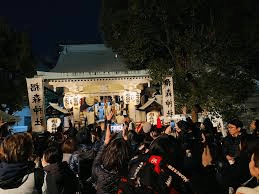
(109, 116)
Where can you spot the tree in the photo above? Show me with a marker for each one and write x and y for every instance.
(15, 65)
(199, 43)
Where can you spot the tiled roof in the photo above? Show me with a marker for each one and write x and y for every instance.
(88, 58)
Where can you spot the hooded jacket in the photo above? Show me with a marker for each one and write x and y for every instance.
(17, 178)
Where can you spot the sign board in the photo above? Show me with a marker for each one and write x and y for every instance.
(68, 101)
(152, 117)
(168, 97)
(36, 99)
(90, 117)
(53, 124)
(76, 108)
(131, 98)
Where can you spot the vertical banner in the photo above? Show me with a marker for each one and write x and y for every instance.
(168, 97)
(68, 101)
(152, 117)
(76, 108)
(36, 99)
(126, 97)
(132, 97)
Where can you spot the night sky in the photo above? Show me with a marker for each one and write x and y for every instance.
(55, 21)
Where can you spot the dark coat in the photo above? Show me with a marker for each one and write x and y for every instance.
(60, 179)
(85, 155)
(232, 146)
(152, 174)
(106, 180)
(17, 178)
(208, 180)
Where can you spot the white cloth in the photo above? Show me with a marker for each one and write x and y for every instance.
(247, 190)
(28, 187)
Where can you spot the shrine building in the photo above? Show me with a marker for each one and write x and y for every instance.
(93, 73)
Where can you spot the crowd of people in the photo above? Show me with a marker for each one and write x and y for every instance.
(184, 158)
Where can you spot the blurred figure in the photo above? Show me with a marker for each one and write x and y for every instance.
(16, 169)
(159, 170)
(252, 186)
(111, 163)
(254, 126)
(68, 147)
(58, 179)
(82, 159)
(191, 146)
(231, 143)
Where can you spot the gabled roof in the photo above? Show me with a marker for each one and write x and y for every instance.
(149, 103)
(88, 58)
(58, 108)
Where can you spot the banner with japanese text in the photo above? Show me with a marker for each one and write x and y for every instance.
(131, 97)
(36, 99)
(168, 98)
(76, 107)
(53, 124)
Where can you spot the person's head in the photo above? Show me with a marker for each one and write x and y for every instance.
(254, 164)
(17, 148)
(133, 140)
(234, 127)
(116, 154)
(69, 146)
(183, 126)
(155, 132)
(147, 127)
(83, 137)
(52, 155)
(207, 124)
(168, 147)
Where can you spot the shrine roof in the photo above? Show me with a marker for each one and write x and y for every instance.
(58, 108)
(88, 58)
(149, 103)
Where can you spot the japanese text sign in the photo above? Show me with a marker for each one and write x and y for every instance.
(36, 100)
(168, 97)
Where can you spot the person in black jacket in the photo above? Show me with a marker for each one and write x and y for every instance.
(81, 160)
(190, 145)
(159, 170)
(232, 143)
(59, 179)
